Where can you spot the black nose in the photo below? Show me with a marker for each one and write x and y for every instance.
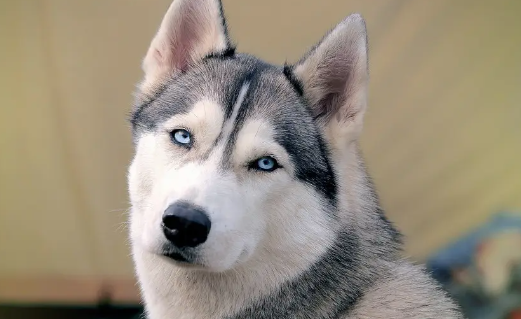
(185, 225)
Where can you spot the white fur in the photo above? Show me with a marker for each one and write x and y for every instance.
(266, 228)
(250, 242)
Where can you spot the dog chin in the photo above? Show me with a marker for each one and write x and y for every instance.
(227, 263)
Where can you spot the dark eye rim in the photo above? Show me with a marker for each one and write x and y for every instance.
(253, 164)
(172, 137)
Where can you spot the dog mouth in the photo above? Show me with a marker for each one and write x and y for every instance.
(175, 256)
(179, 256)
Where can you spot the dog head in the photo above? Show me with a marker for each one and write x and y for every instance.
(236, 158)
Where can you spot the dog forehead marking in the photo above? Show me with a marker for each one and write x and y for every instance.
(228, 128)
(221, 150)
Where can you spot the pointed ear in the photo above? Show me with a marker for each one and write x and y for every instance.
(190, 30)
(334, 76)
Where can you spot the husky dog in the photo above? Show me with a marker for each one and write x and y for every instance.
(249, 195)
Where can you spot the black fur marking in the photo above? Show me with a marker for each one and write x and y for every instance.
(244, 110)
(227, 53)
(229, 104)
(310, 153)
(295, 82)
(332, 281)
(239, 82)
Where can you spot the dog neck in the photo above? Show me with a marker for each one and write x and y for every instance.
(327, 289)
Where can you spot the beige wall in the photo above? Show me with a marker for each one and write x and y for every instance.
(442, 139)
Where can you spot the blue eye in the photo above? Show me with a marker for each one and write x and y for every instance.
(181, 137)
(265, 163)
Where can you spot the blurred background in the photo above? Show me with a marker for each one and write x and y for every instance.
(442, 139)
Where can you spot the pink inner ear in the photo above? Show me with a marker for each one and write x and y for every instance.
(180, 58)
(173, 54)
(334, 76)
(185, 40)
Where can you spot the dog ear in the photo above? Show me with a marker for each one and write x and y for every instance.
(334, 75)
(190, 30)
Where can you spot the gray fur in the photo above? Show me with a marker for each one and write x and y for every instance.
(223, 77)
(314, 109)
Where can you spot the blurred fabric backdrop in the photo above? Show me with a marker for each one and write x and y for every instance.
(442, 137)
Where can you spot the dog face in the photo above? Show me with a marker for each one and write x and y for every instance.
(235, 158)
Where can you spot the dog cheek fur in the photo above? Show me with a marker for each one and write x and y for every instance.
(145, 189)
(295, 218)
(140, 188)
